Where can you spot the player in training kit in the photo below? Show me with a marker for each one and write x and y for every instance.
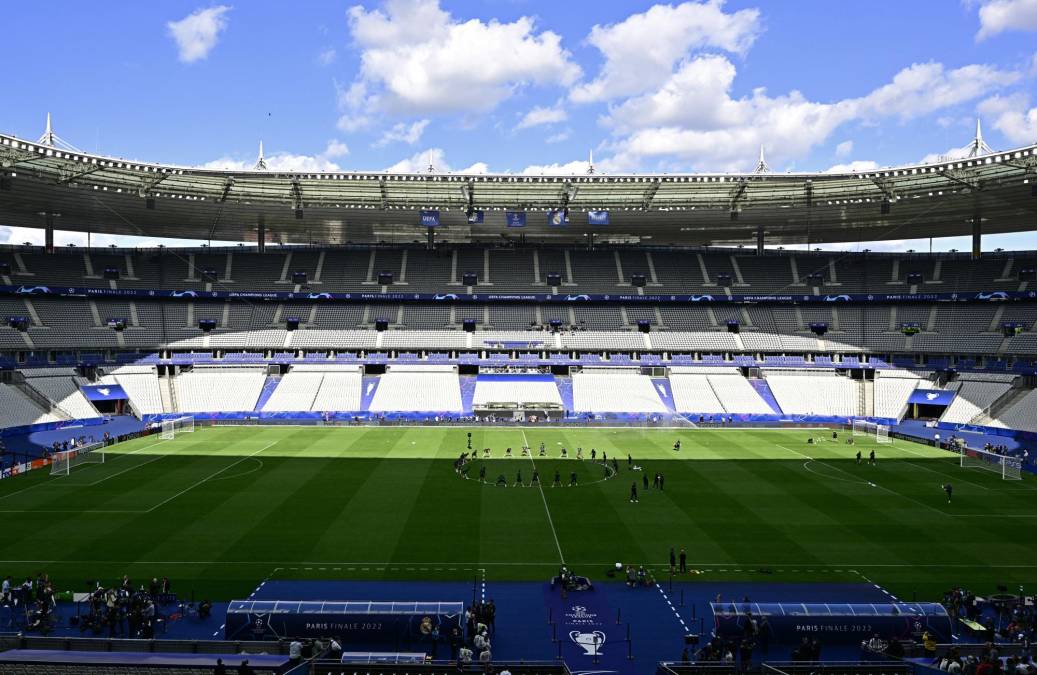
(949, 489)
(677, 446)
(558, 479)
(572, 479)
(543, 450)
(536, 478)
(871, 458)
(482, 474)
(633, 492)
(518, 479)
(858, 458)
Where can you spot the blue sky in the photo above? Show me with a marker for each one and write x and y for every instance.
(526, 85)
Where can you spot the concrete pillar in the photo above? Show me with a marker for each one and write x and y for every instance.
(759, 240)
(48, 233)
(977, 236)
(261, 232)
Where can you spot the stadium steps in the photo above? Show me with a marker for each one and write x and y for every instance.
(165, 390)
(764, 390)
(868, 398)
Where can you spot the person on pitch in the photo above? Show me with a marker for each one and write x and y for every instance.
(858, 458)
(949, 489)
(871, 457)
(507, 453)
(536, 478)
(558, 479)
(633, 492)
(482, 473)
(518, 479)
(677, 446)
(543, 449)
(572, 479)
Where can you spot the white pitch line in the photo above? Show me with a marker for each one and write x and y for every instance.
(886, 489)
(210, 476)
(540, 485)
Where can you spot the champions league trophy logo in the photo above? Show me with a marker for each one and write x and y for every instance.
(591, 642)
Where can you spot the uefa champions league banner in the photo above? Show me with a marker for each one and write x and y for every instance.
(560, 298)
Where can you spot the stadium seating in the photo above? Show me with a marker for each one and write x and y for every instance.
(975, 394)
(317, 388)
(892, 389)
(418, 389)
(815, 392)
(615, 390)
(17, 409)
(61, 387)
(517, 389)
(218, 389)
(141, 386)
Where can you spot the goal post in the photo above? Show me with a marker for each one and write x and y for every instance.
(866, 428)
(179, 425)
(62, 463)
(1010, 468)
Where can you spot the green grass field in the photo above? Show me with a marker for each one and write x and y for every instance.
(223, 508)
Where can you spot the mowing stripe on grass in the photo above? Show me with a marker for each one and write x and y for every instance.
(209, 477)
(543, 497)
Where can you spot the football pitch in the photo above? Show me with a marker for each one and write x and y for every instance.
(221, 509)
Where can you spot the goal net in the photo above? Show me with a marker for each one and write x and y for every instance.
(879, 431)
(180, 425)
(62, 463)
(1010, 468)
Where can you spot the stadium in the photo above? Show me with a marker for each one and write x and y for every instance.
(440, 422)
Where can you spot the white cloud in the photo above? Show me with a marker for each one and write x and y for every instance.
(693, 116)
(403, 133)
(856, 166)
(420, 162)
(416, 58)
(327, 57)
(844, 149)
(577, 167)
(541, 115)
(923, 88)
(559, 137)
(286, 161)
(197, 33)
(336, 149)
(1012, 118)
(641, 51)
(997, 16)
(951, 153)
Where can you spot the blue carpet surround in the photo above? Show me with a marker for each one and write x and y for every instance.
(593, 631)
(609, 629)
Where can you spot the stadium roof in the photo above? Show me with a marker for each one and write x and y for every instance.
(93, 193)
